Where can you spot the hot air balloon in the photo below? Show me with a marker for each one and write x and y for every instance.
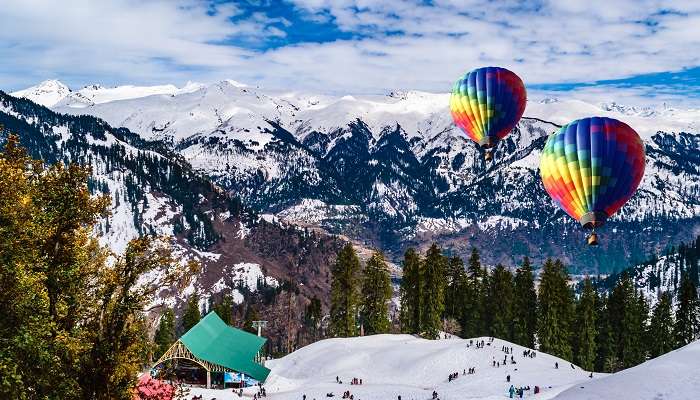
(591, 167)
(486, 104)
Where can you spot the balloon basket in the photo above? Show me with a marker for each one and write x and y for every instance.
(488, 156)
(593, 239)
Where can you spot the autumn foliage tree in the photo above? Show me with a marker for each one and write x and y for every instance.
(71, 323)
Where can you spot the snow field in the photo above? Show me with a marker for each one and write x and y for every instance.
(393, 365)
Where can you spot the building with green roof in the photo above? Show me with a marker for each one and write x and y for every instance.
(218, 347)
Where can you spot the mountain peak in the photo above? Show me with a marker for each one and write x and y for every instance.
(47, 93)
(235, 83)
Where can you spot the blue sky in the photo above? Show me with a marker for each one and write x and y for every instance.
(641, 50)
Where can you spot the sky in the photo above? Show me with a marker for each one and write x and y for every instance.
(638, 51)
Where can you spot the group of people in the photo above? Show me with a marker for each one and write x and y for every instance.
(480, 344)
(346, 395)
(261, 393)
(452, 376)
(513, 391)
(497, 364)
(529, 353)
(354, 381)
(435, 396)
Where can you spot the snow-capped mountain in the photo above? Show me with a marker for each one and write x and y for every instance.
(393, 171)
(53, 93)
(47, 93)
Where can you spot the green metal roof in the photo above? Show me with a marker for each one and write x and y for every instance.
(214, 341)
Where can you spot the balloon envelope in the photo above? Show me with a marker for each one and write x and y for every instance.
(591, 167)
(487, 103)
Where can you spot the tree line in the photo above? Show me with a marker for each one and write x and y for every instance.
(596, 329)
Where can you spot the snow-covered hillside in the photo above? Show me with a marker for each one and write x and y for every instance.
(393, 365)
(392, 170)
(672, 376)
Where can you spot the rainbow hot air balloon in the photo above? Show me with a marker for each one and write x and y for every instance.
(591, 167)
(487, 103)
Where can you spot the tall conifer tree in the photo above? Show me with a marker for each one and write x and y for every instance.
(500, 303)
(687, 312)
(660, 336)
(472, 319)
(606, 357)
(556, 302)
(525, 306)
(586, 331)
(411, 292)
(433, 299)
(376, 294)
(165, 333)
(345, 293)
(192, 315)
(456, 288)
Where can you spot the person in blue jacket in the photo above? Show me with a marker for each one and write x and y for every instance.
(511, 391)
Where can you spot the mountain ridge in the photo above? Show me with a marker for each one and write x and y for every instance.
(402, 174)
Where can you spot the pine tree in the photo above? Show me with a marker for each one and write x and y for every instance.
(411, 292)
(660, 336)
(627, 316)
(586, 332)
(555, 301)
(165, 333)
(192, 315)
(345, 293)
(500, 303)
(251, 315)
(474, 298)
(525, 306)
(376, 294)
(312, 317)
(606, 357)
(635, 350)
(433, 292)
(686, 326)
(456, 288)
(224, 309)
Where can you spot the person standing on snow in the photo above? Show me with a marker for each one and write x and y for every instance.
(511, 391)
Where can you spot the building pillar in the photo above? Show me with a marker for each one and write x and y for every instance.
(208, 379)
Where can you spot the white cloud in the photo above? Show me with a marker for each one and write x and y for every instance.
(116, 41)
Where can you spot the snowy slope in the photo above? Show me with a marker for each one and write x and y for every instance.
(392, 365)
(672, 376)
